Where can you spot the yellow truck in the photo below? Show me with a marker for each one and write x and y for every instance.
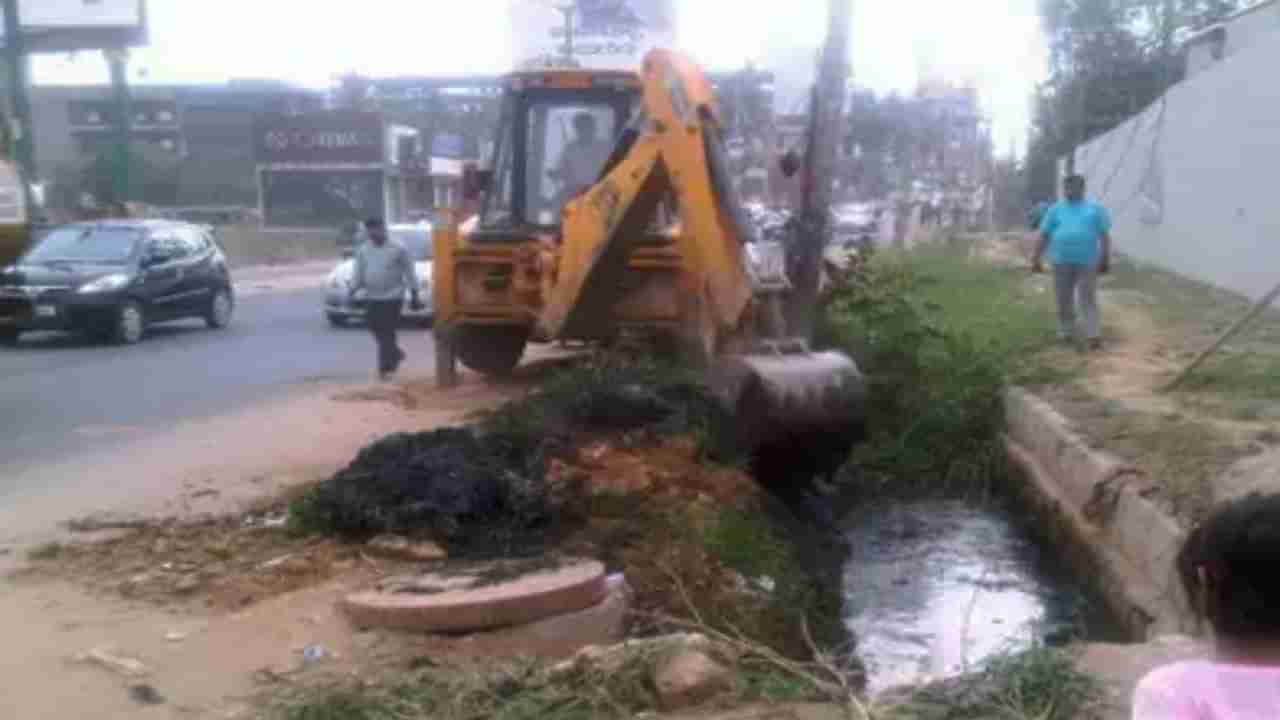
(15, 221)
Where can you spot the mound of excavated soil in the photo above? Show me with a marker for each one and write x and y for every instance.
(474, 494)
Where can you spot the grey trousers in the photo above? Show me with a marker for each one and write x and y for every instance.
(1077, 286)
(383, 317)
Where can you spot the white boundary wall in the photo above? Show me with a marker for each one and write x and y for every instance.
(1193, 183)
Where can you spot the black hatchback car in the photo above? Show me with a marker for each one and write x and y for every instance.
(111, 279)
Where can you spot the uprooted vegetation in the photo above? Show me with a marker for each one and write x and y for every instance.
(625, 460)
(1041, 683)
(488, 490)
(619, 684)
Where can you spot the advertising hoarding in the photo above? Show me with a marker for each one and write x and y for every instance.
(608, 34)
(67, 25)
(326, 138)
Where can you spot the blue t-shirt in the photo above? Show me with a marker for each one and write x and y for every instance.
(1075, 232)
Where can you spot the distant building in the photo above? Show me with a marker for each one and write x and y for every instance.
(335, 167)
(206, 129)
(960, 156)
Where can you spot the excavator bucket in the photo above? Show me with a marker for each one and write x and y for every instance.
(788, 394)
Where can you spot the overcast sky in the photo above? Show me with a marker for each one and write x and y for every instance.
(996, 44)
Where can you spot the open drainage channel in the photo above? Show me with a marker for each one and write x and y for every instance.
(933, 588)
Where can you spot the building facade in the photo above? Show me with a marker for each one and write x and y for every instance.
(199, 136)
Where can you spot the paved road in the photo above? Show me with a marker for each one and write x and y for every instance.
(61, 395)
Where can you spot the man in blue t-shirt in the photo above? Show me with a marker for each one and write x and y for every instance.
(1077, 234)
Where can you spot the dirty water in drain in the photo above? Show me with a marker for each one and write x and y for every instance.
(935, 587)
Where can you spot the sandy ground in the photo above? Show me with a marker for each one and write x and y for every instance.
(274, 278)
(214, 466)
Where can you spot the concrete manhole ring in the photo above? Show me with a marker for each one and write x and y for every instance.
(479, 597)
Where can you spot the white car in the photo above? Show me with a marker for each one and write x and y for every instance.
(341, 309)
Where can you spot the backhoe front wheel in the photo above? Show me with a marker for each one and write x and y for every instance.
(491, 349)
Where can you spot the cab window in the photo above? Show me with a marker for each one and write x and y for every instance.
(568, 147)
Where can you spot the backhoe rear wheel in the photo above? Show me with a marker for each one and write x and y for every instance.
(491, 349)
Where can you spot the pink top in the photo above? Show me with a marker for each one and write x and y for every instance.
(1205, 690)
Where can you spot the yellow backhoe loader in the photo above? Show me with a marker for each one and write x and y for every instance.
(608, 211)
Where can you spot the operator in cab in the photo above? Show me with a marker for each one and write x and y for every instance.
(583, 158)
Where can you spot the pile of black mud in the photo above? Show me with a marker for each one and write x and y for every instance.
(476, 494)
(483, 491)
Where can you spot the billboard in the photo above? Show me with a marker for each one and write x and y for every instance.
(607, 33)
(68, 25)
(339, 137)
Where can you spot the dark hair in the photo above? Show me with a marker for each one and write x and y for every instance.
(1077, 178)
(375, 224)
(1237, 548)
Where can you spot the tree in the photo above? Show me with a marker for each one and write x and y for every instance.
(153, 175)
(1109, 60)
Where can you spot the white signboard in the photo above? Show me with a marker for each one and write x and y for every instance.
(52, 25)
(607, 34)
(80, 13)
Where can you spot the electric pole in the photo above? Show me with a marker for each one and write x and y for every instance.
(826, 116)
(18, 74)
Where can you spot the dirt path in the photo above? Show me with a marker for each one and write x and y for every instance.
(1153, 323)
(210, 662)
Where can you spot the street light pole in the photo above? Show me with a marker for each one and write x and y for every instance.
(18, 75)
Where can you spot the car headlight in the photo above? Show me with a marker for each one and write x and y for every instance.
(106, 283)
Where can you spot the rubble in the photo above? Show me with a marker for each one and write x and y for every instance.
(687, 678)
(402, 548)
(110, 659)
(107, 521)
(145, 695)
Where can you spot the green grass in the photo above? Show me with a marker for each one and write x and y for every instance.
(45, 552)
(940, 336)
(1038, 684)
(1249, 375)
(990, 304)
(1175, 300)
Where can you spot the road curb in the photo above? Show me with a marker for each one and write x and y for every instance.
(1093, 508)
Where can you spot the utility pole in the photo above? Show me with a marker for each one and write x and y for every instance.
(118, 62)
(18, 74)
(825, 118)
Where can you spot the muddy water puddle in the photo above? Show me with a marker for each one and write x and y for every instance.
(934, 588)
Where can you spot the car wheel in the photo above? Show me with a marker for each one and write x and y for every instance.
(130, 324)
(9, 337)
(221, 306)
(336, 320)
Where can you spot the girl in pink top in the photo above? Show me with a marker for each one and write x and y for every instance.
(1230, 567)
